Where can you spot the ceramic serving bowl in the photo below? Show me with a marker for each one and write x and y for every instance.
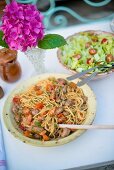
(99, 75)
(16, 132)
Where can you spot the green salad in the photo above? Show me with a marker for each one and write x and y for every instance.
(88, 49)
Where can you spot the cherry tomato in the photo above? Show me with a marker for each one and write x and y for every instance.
(72, 85)
(16, 99)
(92, 51)
(49, 87)
(104, 40)
(22, 127)
(109, 58)
(27, 133)
(45, 137)
(39, 105)
(39, 92)
(88, 44)
(90, 60)
(77, 56)
(26, 111)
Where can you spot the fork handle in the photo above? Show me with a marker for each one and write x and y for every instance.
(87, 79)
(78, 75)
(86, 126)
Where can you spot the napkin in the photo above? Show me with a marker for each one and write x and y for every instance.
(2, 152)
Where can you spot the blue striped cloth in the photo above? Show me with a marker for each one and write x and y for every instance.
(2, 152)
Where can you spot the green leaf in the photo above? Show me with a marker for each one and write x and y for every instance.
(2, 42)
(51, 41)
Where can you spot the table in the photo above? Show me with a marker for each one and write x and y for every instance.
(91, 148)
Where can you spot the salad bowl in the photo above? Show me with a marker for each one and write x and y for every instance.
(88, 49)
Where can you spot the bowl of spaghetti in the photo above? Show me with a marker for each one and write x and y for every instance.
(35, 108)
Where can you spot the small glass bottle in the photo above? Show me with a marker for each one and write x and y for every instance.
(10, 70)
(1, 92)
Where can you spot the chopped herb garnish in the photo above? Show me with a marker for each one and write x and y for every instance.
(49, 106)
(55, 125)
(37, 124)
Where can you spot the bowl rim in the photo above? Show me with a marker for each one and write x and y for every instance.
(99, 75)
(29, 82)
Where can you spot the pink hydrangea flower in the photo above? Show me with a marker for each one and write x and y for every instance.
(22, 25)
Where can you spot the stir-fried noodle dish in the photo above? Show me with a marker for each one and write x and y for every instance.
(42, 107)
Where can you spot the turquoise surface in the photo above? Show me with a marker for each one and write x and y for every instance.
(24, 1)
(60, 19)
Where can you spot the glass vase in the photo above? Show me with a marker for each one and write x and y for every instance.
(37, 56)
(112, 25)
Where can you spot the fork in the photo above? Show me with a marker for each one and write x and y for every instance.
(87, 79)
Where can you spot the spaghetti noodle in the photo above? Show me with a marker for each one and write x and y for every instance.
(50, 102)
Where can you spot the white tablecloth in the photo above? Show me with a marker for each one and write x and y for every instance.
(7, 89)
(92, 147)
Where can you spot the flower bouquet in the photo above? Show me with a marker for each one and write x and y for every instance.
(22, 29)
